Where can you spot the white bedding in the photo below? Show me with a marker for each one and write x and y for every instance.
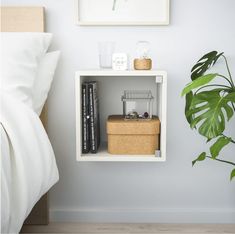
(28, 163)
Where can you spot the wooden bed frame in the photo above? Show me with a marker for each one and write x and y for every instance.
(28, 19)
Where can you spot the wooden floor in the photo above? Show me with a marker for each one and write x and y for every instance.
(81, 228)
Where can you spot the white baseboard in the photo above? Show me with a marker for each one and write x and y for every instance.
(143, 215)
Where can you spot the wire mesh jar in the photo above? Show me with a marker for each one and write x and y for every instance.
(137, 104)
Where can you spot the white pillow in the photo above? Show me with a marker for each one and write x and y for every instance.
(44, 79)
(21, 54)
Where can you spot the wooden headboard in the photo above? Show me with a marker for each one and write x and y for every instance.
(22, 19)
(28, 19)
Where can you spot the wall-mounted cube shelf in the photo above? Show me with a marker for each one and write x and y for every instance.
(111, 87)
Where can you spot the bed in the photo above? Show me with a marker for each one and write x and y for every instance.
(24, 179)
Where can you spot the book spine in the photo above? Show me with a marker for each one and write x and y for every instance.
(92, 123)
(85, 119)
(94, 116)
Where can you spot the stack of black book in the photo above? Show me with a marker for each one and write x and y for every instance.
(90, 117)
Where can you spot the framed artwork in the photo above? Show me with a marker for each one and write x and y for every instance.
(122, 12)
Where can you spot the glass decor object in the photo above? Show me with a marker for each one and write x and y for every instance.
(142, 49)
(137, 104)
(143, 61)
(106, 50)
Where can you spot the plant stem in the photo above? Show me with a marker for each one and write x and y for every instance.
(232, 85)
(230, 76)
(220, 160)
(225, 86)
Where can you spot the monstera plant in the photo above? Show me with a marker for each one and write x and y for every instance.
(210, 105)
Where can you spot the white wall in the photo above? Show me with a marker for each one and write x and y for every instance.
(140, 192)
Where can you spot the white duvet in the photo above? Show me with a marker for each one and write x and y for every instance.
(28, 167)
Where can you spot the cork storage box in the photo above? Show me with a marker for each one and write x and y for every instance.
(132, 137)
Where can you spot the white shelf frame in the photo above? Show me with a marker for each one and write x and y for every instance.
(103, 155)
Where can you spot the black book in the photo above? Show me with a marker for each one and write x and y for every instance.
(94, 116)
(85, 119)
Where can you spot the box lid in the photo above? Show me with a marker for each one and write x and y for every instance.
(117, 125)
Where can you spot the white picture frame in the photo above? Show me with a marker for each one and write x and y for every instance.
(122, 13)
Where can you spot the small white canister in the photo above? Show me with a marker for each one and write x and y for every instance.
(119, 61)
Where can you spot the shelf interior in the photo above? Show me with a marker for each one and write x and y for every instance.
(103, 152)
(103, 155)
(110, 90)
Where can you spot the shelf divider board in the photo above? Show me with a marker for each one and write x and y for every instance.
(103, 155)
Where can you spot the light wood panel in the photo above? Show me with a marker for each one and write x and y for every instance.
(22, 19)
(28, 19)
(80, 228)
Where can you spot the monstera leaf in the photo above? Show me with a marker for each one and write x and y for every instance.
(189, 98)
(201, 157)
(207, 111)
(220, 143)
(200, 81)
(204, 63)
(232, 174)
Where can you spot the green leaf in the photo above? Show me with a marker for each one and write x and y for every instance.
(232, 174)
(209, 109)
(201, 157)
(219, 145)
(204, 64)
(189, 98)
(200, 81)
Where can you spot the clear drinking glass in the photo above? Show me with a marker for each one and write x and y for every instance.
(106, 50)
